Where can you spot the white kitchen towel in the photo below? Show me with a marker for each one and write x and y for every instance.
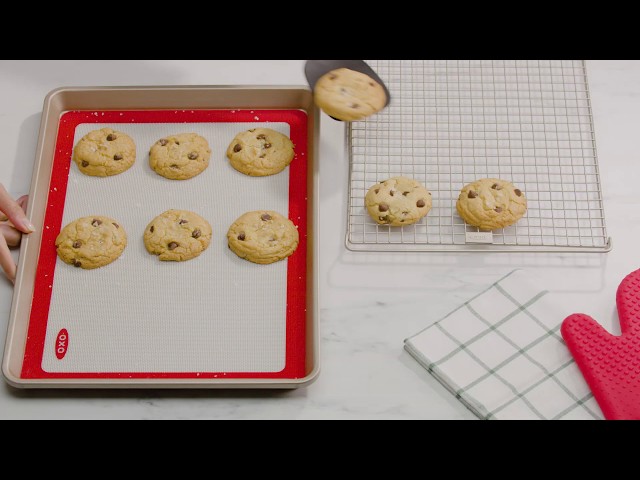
(502, 355)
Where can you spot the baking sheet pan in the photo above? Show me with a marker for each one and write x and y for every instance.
(213, 321)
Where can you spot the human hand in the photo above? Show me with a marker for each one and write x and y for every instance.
(13, 221)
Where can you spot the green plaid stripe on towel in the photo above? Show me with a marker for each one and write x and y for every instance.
(502, 355)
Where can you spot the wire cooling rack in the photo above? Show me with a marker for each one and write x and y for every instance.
(451, 122)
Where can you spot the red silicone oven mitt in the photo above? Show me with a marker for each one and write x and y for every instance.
(610, 364)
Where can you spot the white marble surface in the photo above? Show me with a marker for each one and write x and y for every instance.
(368, 303)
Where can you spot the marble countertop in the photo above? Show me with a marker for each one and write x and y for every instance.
(368, 302)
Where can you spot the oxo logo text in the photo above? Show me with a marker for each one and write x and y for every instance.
(62, 343)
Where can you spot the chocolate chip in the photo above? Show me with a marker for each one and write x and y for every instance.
(77, 244)
(172, 246)
(405, 193)
(354, 105)
(377, 190)
(196, 233)
(95, 222)
(111, 137)
(332, 77)
(391, 192)
(472, 194)
(237, 148)
(117, 156)
(262, 136)
(192, 156)
(174, 165)
(372, 84)
(262, 156)
(152, 229)
(383, 207)
(498, 209)
(177, 142)
(267, 145)
(405, 213)
(85, 163)
(420, 203)
(181, 222)
(265, 217)
(163, 141)
(495, 186)
(76, 263)
(518, 192)
(252, 130)
(241, 236)
(115, 225)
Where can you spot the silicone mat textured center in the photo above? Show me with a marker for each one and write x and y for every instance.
(611, 364)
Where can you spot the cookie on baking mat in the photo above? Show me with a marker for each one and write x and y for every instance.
(491, 203)
(349, 95)
(260, 152)
(104, 152)
(180, 157)
(398, 201)
(91, 242)
(263, 236)
(177, 235)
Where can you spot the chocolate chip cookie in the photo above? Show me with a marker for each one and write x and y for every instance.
(263, 236)
(104, 152)
(91, 242)
(260, 152)
(180, 157)
(177, 235)
(398, 201)
(348, 95)
(491, 203)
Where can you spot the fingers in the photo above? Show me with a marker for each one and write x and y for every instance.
(23, 201)
(6, 260)
(14, 212)
(11, 235)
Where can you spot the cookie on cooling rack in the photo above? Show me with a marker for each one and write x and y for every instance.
(398, 201)
(91, 242)
(491, 203)
(104, 152)
(263, 236)
(180, 157)
(349, 95)
(260, 152)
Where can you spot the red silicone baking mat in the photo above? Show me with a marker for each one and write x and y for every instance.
(216, 316)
